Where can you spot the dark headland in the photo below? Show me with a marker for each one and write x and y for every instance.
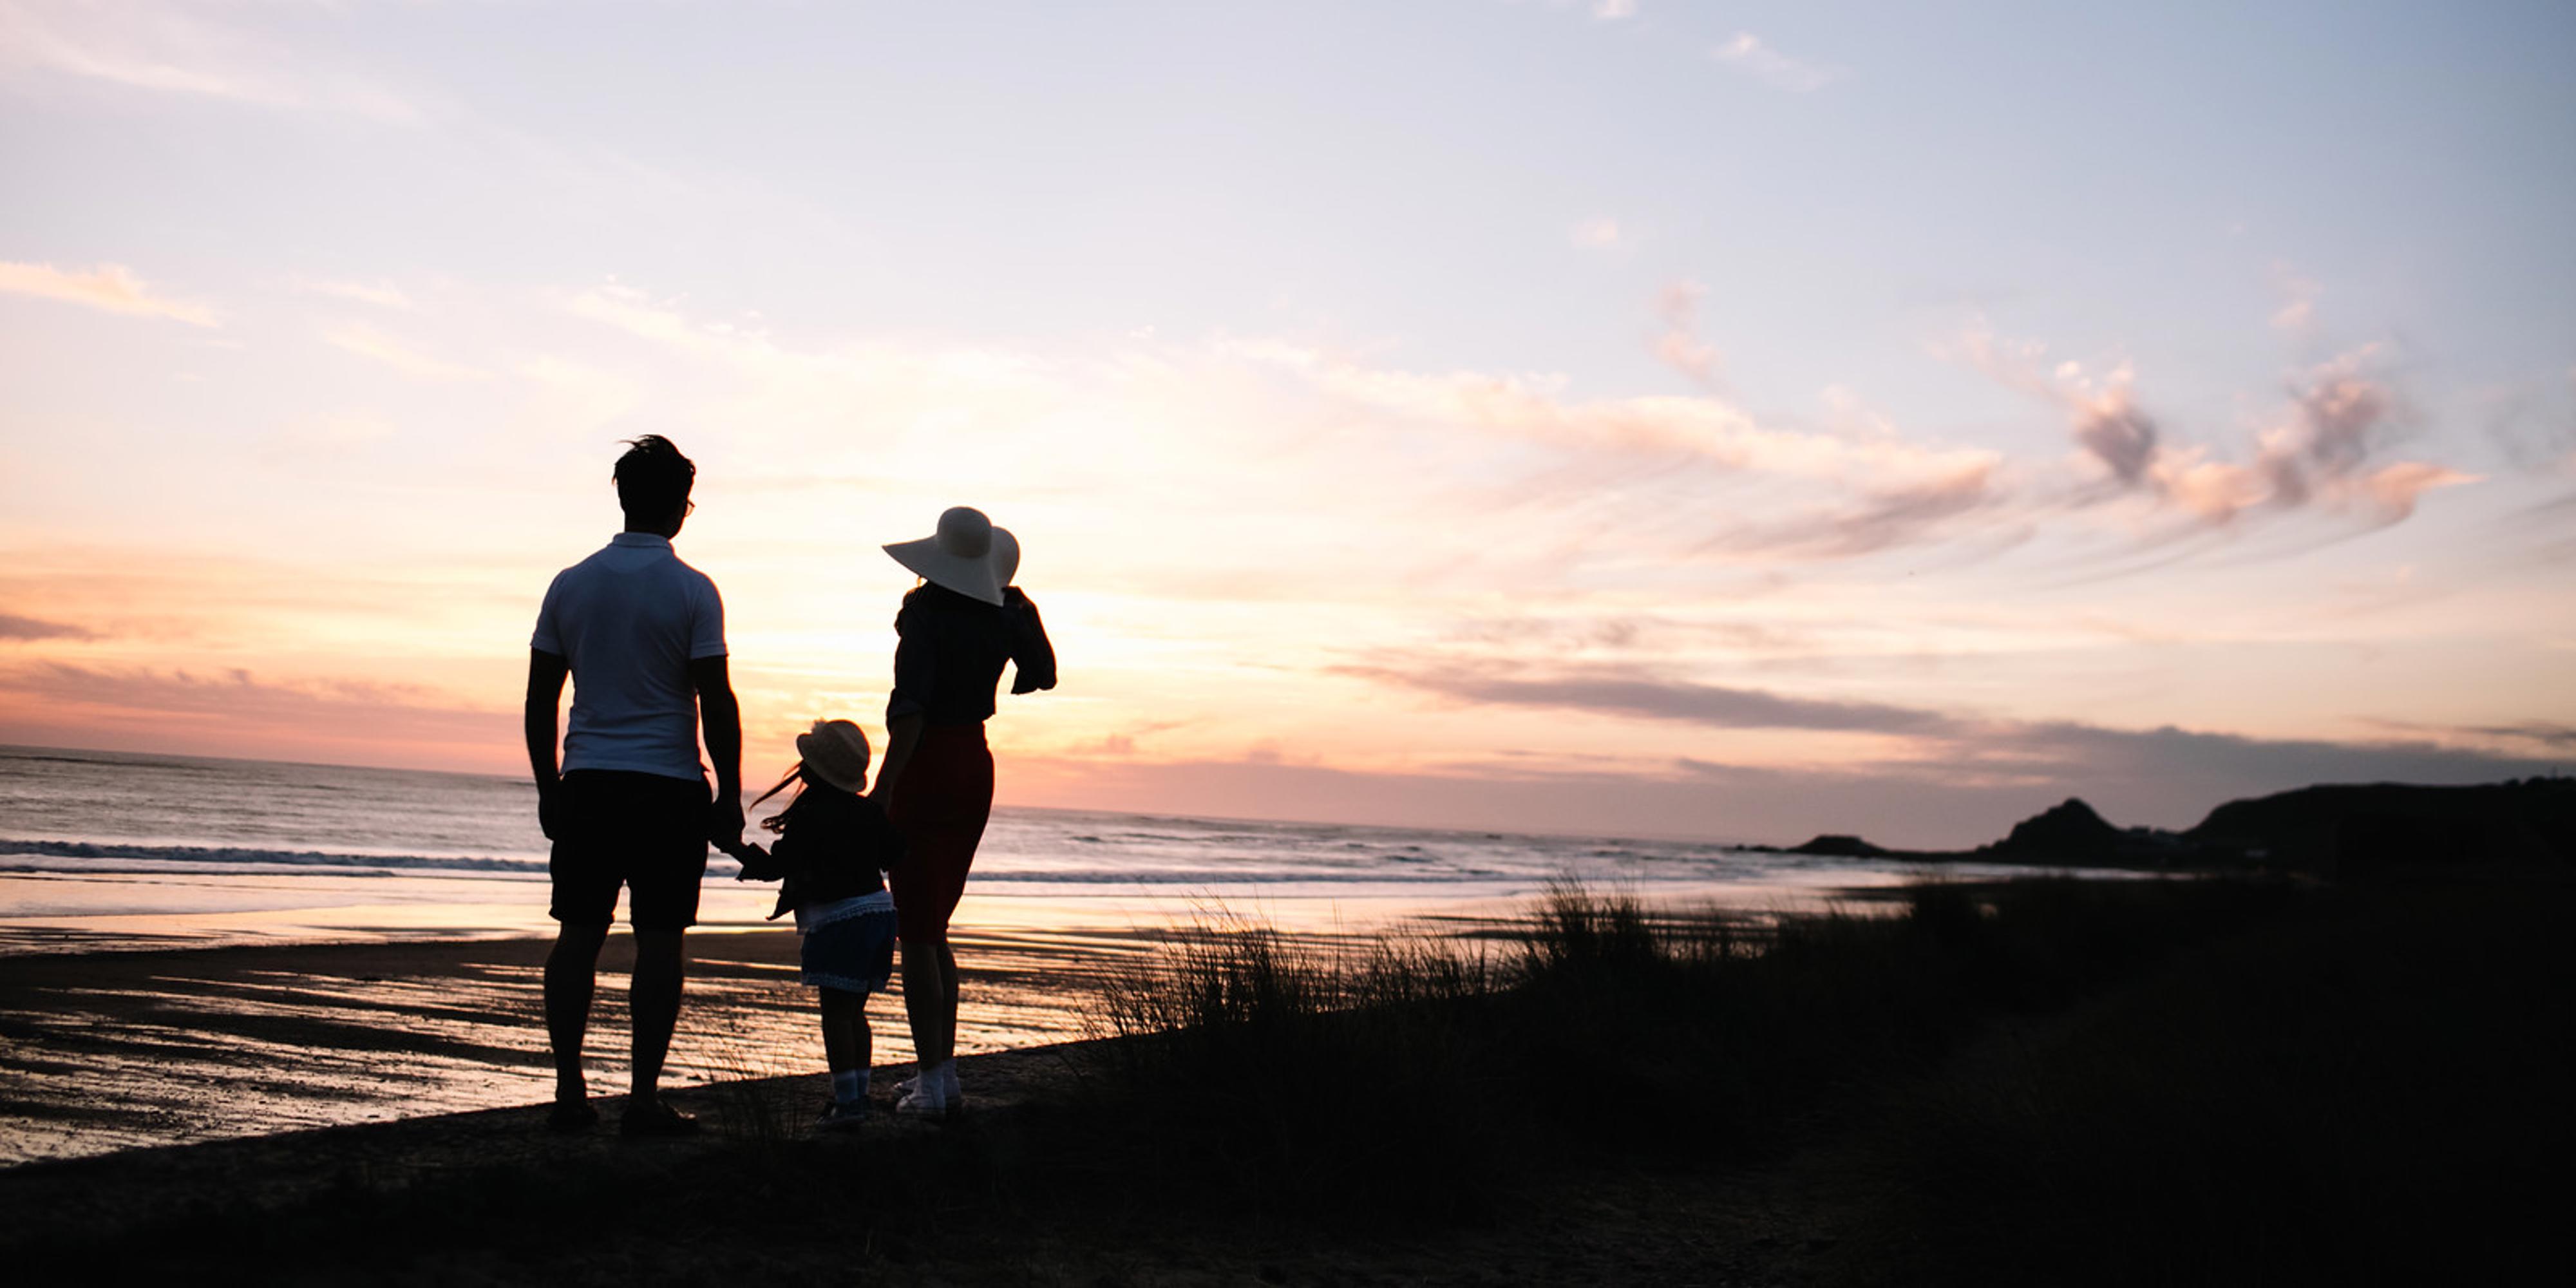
(2342, 828)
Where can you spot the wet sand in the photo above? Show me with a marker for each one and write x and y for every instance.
(179, 1043)
(107, 1051)
(75, 1198)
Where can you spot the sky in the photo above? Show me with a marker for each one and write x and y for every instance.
(1628, 417)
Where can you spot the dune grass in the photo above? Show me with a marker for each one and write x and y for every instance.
(1437, 1078)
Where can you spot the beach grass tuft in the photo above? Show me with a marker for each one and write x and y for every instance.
(1427, 1078)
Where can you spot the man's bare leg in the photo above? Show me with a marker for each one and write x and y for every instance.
(653, 1004)
(571, 974)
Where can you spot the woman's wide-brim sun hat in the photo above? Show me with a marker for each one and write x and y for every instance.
(967, 555)
(835, 751)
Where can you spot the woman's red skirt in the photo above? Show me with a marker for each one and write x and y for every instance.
(940, 805)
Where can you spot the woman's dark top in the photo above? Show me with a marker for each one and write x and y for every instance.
(835, 846)
(951, 652)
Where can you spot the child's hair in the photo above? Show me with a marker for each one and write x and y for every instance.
(834, 754)
(795, 775)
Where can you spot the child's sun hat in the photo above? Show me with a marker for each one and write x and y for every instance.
(835, 751)
(967, 555)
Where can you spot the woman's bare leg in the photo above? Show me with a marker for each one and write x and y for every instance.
(930, 998)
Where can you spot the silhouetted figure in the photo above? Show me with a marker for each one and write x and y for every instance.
(954, 635)
(834, 848)
(642, 636)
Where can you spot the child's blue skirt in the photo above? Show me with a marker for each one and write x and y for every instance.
(853, 954)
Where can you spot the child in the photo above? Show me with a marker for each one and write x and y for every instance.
(833, 848)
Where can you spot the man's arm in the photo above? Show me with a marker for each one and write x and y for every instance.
(721, 714)
(546, 672)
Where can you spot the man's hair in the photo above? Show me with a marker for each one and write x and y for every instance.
(653, 479)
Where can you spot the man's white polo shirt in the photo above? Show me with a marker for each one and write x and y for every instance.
(630, 619)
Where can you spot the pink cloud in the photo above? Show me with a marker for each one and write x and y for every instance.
(1679, 346)
(1747, 53)
(2316, 453)
(110, 287)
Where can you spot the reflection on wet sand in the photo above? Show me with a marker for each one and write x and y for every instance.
(105, 1051)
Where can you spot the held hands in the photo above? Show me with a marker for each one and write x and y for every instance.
(724, 821)
(755, 861)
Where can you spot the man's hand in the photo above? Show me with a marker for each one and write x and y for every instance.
(546, 674)
(721, 715)
(724, 822)
(549, 809)
(754, 860)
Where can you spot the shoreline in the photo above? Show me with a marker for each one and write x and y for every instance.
(110, 1048)
(112, 1051)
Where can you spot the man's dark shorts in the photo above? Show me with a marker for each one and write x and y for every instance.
(645, 832)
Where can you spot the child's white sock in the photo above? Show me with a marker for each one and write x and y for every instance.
(850, 1086)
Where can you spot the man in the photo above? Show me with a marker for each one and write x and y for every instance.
(642, 636)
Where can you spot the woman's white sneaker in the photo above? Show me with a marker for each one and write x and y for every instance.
(950, 1096)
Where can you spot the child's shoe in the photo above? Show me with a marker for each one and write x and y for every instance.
(842, 1115)
(570, 1116)
(655, 1119)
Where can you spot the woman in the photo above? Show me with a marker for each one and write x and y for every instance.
(955, 632)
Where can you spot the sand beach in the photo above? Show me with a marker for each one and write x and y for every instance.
(105, 1051)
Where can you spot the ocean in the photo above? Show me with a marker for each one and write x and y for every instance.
(112, 849)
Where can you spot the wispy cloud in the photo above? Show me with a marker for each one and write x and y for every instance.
(2164, 777)
(1598, 233)
(2297, 314)
(1963, 749)
(368, 342)
(1537, 407)
(2554, 736)
(1638, 694)
(1613, 10)
(1871, 522)
(637, 314)
(167, 49)
(13, 627)
(1679, 345)
(231, 711)
(112, 287)
(1747, 53)
(380, 294)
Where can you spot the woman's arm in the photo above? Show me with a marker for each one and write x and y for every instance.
(1032, 654)
(903, 734)
(916, 667)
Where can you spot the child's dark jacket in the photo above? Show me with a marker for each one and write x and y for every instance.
(834, 845)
